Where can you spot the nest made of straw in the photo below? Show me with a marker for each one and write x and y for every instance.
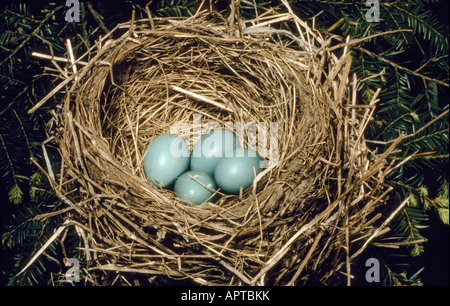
(306, 217)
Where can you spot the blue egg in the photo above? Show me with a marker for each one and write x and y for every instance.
(166, 158)
(194, 187)
(237, 170)
(211, 148)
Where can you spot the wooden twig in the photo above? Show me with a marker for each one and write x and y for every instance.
(425, 126)
(399, 67)
(360, 40)
(52, 214)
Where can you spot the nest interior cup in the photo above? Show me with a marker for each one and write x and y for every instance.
(186, 77)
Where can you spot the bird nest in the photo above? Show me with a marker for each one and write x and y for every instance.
(309, 213)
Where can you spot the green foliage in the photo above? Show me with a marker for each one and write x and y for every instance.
(177, 8)
(15, 195)
(394, 279)
(23, 235)
(421, 198)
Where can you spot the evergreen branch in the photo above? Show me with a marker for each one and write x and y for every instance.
(12, 81)
(413, 218)
(10, 163)
(416, 17)
(45, 246)
(359, 40)
(398, 26)
(399, 67)
(7, 11)
(430, 60)
(24, 90)
(427, 136)
(15, 195)
(394, 122)
(23, 131)
(97, 17)
(35, 31)
(443, 114)
(16, 234)
(399, 279)
(423, 155)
